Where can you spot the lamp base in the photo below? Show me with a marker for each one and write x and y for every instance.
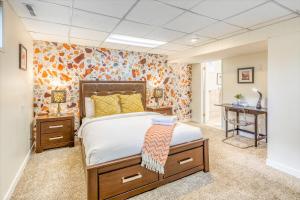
(58, 111)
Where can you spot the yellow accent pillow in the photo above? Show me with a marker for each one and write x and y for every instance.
(131, 103)
(106, 105)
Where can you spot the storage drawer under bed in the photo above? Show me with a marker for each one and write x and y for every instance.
(123, 180)
(183, 161)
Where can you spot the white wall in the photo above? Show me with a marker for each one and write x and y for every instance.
(231, 87)
(196, 93)
(284, 103)
(15, 101)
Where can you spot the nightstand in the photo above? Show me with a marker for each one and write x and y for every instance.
(167, 110)
(54, 131)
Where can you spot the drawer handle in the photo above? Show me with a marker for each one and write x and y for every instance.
(131, 178)
(56, 138)
(58, 126)
(185, 161)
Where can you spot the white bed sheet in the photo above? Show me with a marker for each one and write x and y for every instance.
(118, 136)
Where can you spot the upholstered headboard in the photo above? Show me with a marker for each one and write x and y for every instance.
(89, 88)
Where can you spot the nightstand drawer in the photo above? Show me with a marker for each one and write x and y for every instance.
(56, 126)
(48, 140)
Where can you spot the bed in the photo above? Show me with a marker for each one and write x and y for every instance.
(112, 166)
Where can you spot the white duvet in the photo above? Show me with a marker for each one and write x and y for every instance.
(117, 136)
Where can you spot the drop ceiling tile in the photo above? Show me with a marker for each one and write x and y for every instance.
(164, 35)
(153, 13)
(261, 14)
(217, 30)
(43, 10)
(291, 4)
(162, 51)
(83, 42)
(189, 22)
(110, 45)
(277, 20)
(45, 27)
(221, 9)
(187, 40)
(241, 31)
(115, 8)
(93, 21)
(48, 37)
(174, 47)
(87, 34)
(133, 29)
(186, 4)
(137, 49)
(60, 2)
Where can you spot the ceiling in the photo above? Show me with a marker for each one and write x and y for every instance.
(90, 22)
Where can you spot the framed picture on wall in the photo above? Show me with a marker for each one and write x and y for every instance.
(22, 57)
(245, 75)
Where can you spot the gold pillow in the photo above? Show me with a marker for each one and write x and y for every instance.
(106, 105)
(131, 103)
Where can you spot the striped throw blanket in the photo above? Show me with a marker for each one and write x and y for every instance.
(156, 147)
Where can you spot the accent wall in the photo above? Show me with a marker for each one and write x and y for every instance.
(64, 65)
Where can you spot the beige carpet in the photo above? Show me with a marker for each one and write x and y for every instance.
(234, 174)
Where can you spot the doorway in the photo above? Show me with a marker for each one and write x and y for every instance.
(211, 93)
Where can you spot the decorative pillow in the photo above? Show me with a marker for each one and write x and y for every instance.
(106, 105)
(131, 103)
(89, 107)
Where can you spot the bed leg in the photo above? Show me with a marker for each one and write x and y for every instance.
(92, 184)
(206, 156)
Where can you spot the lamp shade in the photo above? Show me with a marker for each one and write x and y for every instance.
(158, 93)
(58, 96)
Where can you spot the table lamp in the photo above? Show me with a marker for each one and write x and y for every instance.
(258, 105)
(157, 94)
(58, 96)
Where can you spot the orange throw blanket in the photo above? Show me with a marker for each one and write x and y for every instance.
(156, 147)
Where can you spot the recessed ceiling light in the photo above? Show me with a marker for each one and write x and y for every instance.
(194, 40)
(124, 39)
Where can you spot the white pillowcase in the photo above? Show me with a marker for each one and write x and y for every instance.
(89, 107)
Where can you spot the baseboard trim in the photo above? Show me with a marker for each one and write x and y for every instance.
(19, 173)
(283, 168)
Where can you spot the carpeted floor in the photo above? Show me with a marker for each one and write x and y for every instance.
(234, 174)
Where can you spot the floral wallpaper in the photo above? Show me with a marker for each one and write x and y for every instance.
(58, 65)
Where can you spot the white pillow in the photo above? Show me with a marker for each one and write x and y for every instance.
(89, 107)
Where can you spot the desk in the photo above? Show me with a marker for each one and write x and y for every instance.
(248, 110)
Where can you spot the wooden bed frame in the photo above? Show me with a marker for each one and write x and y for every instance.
(124, 178)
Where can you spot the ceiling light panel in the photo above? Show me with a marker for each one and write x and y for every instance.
(133, 29)
(94, 21)
(221, 9)
(87, 34)
(258, 15)
(153, 13)
(218, 29)
(45, 27)
(134, 41)
(164, 35)
(44, 11)
(115, 8)
(186, 4)
(189, 22)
